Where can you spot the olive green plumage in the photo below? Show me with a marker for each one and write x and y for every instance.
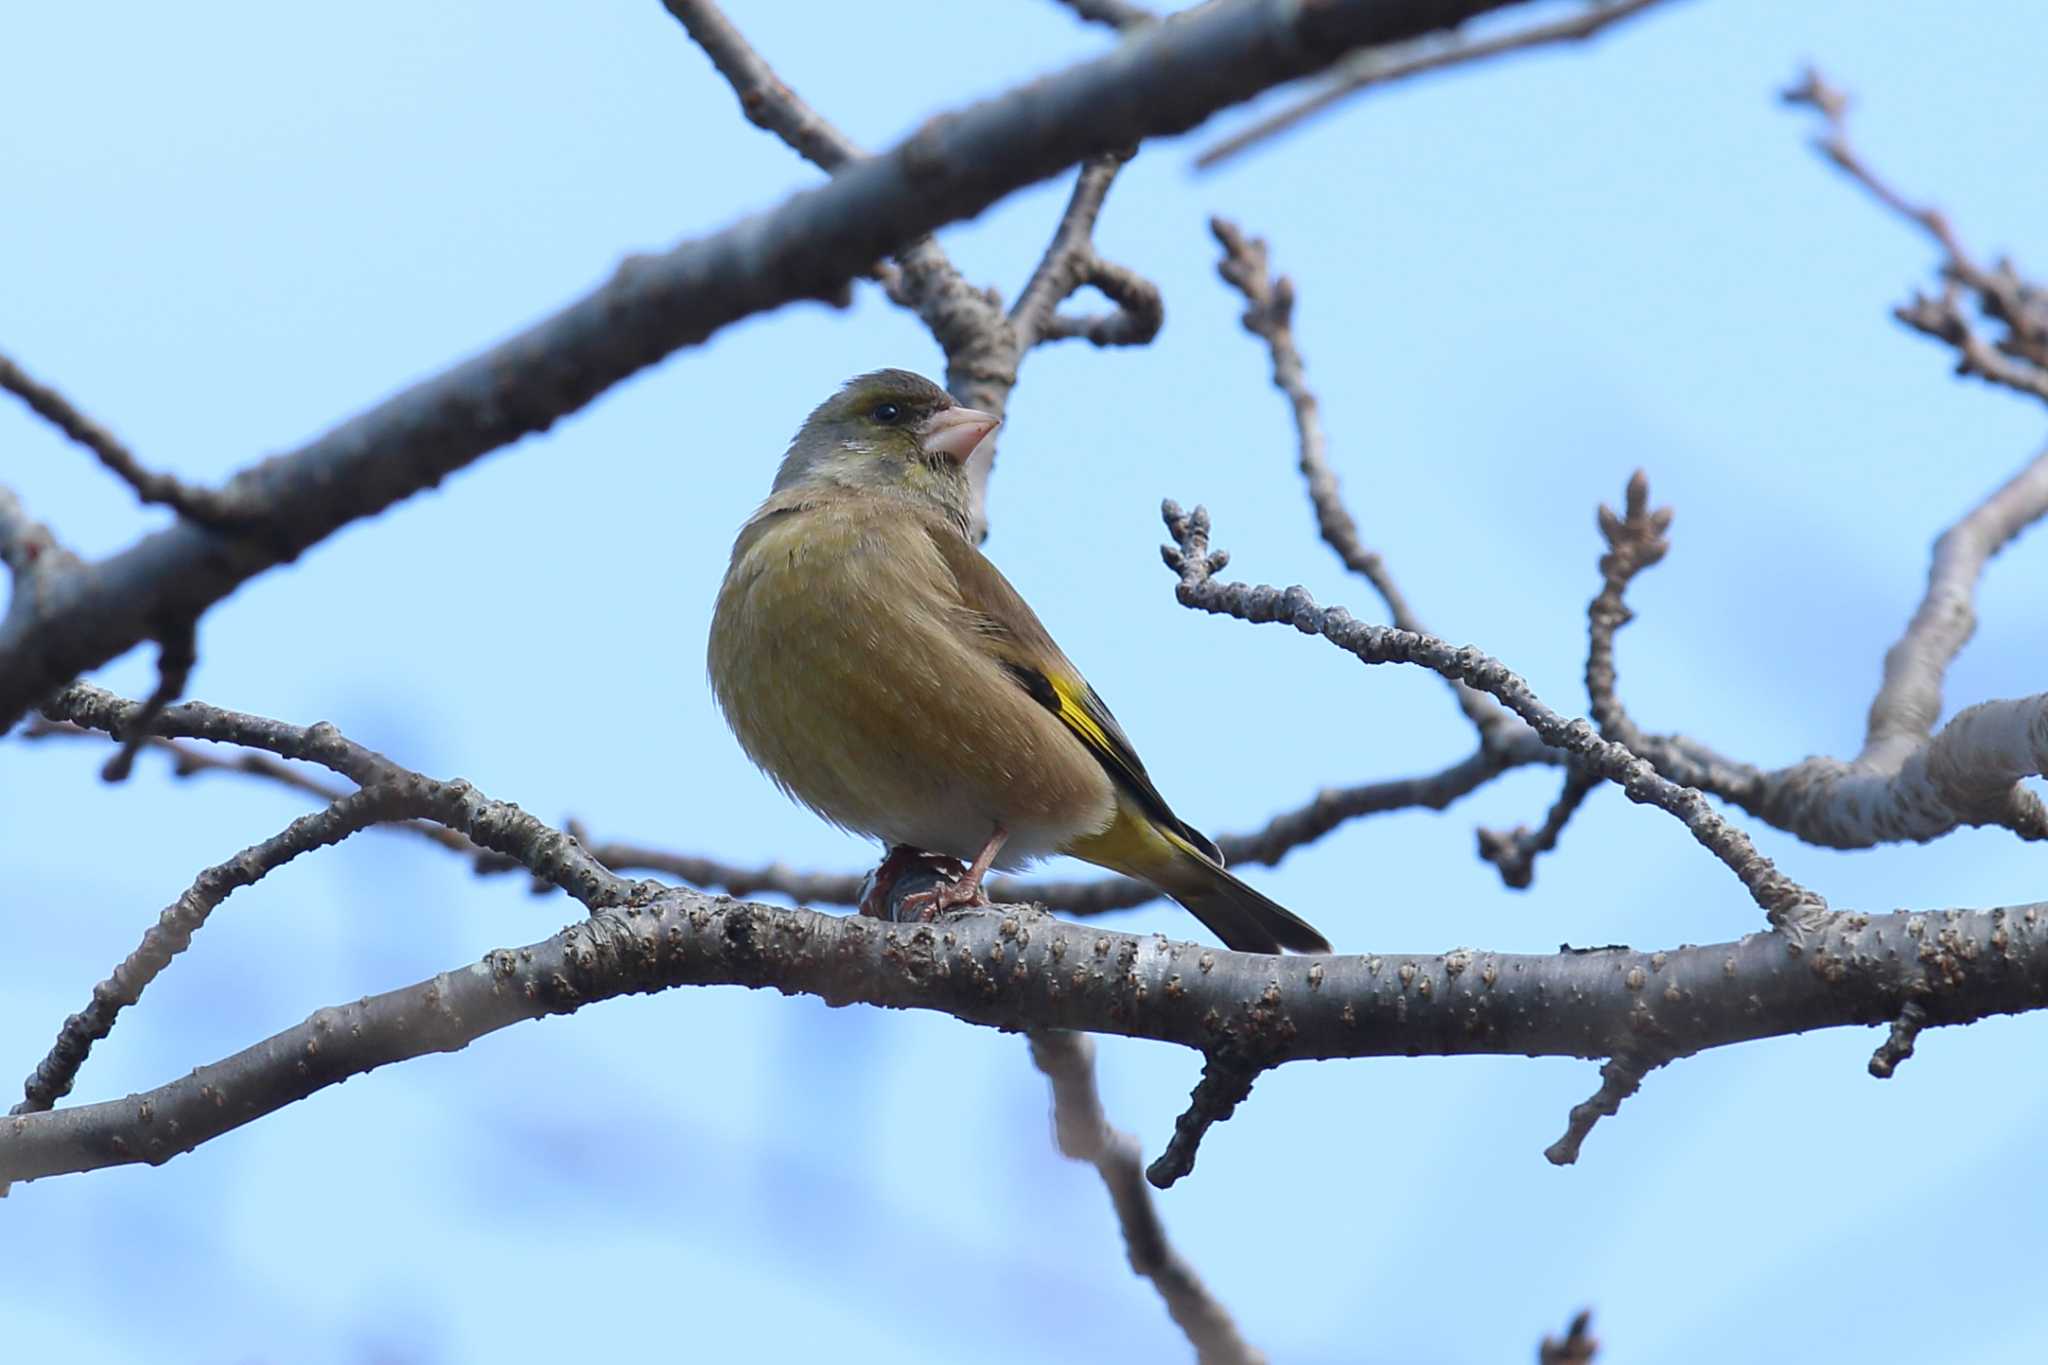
(883, 672)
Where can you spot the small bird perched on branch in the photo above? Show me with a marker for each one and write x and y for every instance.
(884, 673)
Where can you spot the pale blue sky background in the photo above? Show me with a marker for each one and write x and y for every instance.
(227, 227)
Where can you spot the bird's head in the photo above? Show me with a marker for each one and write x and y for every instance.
(889, 432)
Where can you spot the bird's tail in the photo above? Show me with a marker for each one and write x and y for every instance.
(1187, 867)
(1244, 919)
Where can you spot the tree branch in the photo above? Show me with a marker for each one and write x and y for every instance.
(1905, 784)
(1164, 80)
(1514, 852)
(32, 553)
(1389, 65)
(1620, 1078)
(765, 99)
(1084, 1134)
(1011, 969)
(172, 933)
(983, 348)
(1116, 14)
(2018, 360)
(1225, 1084)
(1578, 1347)
(1791, 908)
(1266, 846)
(1269, 315)
(176, 656)
(1903, 713)
(1071, 262)
(202, 505)
(389, 793)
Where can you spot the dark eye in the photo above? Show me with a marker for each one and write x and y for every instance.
(888, 414)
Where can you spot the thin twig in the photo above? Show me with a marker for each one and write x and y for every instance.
(1116, 14)
(1084, 1134)
(172, 933)
(202, 505)
(1268, 845)
(1904, 785)
(1269, 315)
(1635, 540)
(1384, 66)
(1790, 907)
(495, 826)
(1578, 1347)
(983, 348)
(1898, 1045)
(187, 761)
(1619, 1078)
(95, 708)
(1070, 263)
(1225, 1084)
(389, 794)
(1514, 852)
(764, 98)
(177, 654)
(2019, 359)
(1942, 318)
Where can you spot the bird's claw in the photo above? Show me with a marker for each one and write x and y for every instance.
(927, 906)
(902, 861)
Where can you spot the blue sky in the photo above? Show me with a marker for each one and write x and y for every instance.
(229, 228)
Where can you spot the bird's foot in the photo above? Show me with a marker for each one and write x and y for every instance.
(962, 893)
(904, 861)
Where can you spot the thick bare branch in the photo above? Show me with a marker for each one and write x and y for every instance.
(1163, 80)
(1791, 907)
(1385, 66)
(1269, 315)
(32, 553)
(1903, 714)
(1084, 1134)
(199, 504)
(1022, 971)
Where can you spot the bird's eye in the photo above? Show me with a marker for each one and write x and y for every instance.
(888, 413)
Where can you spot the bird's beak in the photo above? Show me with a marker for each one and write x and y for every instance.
(955, 432)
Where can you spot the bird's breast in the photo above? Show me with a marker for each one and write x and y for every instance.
(847, 666)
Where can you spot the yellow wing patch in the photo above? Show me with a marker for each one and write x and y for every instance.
(1082, 712)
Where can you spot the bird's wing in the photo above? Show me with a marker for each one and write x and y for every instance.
(1009, 632)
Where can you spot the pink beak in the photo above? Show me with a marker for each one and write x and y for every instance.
(955, 432)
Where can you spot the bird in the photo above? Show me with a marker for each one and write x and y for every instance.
(882, 671)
